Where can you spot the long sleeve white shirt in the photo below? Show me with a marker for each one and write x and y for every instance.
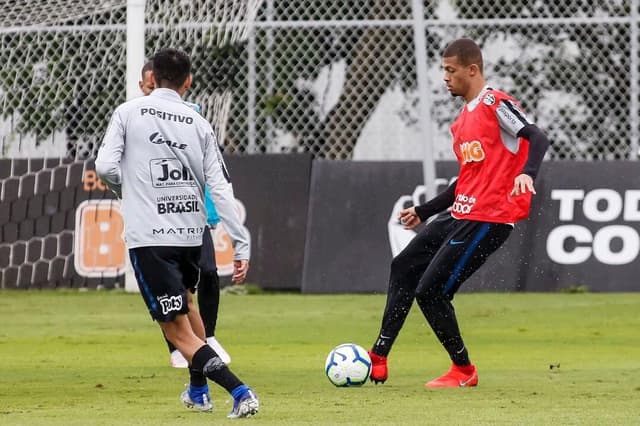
(159, 155)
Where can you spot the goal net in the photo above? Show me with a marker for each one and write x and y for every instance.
(62, 72)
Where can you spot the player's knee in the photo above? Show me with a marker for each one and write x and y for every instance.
(428, 295)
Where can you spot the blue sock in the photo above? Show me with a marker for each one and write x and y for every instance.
(238, 391)
(195, 392)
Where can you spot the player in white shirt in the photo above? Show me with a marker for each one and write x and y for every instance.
(209, 284)
(159, 156)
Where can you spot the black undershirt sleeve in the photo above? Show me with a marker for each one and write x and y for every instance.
(538, 144)
(440, 202)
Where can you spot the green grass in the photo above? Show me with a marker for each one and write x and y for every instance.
(96, 358)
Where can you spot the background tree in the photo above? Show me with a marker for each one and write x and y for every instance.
(377, 58)
(573, 78)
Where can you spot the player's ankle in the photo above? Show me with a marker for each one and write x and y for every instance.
(376, 357)
(466, 369)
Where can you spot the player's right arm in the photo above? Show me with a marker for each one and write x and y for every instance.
(412, 216)
(110, 154)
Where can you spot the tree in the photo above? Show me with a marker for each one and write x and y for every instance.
(377, 57)
(579, 67)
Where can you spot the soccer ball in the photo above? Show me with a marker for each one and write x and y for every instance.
(348, 365)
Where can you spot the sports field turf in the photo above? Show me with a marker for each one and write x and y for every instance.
(95, 358)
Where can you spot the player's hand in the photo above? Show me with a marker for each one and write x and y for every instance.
(522, 184)
(240, 269)
(114, 190)
(409, 218)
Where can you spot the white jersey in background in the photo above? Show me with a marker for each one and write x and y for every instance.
(158, 155)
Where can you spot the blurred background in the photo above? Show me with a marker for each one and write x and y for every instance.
(334, 78)
(327, 110)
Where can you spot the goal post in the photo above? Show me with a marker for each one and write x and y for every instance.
(424, 97)
(135, 45)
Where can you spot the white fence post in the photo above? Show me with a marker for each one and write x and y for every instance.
(135, 62)
(634, 85)
(424, 98)
(135, 45)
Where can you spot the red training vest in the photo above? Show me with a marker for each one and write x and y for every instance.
(487, 167)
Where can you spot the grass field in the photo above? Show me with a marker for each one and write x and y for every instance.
(95, 358)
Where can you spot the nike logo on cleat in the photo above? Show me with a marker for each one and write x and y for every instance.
(464, 383)
(455, 243)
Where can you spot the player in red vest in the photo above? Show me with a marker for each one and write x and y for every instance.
(499, 151)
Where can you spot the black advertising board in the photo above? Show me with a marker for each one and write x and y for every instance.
(275, 192)
(586, 227)
(347, 248)
(42, 202)
(353, 230)
(325, 226)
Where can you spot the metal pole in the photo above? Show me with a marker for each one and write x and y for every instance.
(252, 147)
(135, 61)
(135, 45)
(424, 97)
(634, 143)
(268, 66)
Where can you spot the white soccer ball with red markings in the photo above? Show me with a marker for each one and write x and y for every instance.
(348, 365)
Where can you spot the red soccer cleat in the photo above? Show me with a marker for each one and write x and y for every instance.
(379, 370)
(456, 377)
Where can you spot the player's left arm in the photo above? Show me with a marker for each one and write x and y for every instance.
(515, 123)
(538, 145)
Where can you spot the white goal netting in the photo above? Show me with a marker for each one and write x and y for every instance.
(336, 79)
(64, 72)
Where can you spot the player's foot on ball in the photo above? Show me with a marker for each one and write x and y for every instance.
(197, 397)
(177, 360)
(217, 347)
(379, 370)
(456, 377)
(245, 403)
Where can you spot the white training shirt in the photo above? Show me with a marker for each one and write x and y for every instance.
(157, 155)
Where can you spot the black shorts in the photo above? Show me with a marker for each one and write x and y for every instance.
(164, 274)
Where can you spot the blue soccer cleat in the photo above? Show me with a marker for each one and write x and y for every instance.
(197, 397)
(245, 403)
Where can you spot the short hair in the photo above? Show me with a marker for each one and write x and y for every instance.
(148, 66)
(171, 66)
(467, 52)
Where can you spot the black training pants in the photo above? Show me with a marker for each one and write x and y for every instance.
(431, 269)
